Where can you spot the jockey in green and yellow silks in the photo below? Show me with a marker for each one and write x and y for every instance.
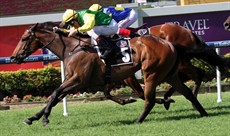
(95, 23)
(125, 17)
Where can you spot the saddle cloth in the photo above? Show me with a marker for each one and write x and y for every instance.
(122, 52)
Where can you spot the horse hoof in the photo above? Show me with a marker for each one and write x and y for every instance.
(45, 123)
(205, 114)
(27, 122)
(167, 103)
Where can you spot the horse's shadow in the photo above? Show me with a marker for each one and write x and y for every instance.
(219, 109)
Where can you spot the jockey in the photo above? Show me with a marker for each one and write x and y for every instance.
(125, 17)
(95, 24)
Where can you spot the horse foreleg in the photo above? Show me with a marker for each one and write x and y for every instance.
(57, 95)
(150, 94)
(37, 116)
(53, 101)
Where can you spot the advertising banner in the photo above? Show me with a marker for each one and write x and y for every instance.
(208, 25)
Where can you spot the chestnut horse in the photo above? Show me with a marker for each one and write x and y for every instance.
(189, 46)
(193, 47)
(156, 57)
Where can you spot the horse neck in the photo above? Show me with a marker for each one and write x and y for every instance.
(63, 46)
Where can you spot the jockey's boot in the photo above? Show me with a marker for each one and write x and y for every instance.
(105, 45)
(106, 54)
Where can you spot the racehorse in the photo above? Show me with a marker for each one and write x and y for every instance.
(189, 46)
(192, 47)
(227, 24)
(156, 57)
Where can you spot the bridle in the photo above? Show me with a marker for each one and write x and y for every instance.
(32, 37)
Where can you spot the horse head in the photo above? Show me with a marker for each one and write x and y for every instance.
(31, 40)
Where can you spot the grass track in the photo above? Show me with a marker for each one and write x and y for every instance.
(110, 119)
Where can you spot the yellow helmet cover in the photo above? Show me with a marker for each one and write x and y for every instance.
(69, 15)
(95, 7)
(119, 7)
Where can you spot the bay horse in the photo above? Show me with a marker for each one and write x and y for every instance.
(157, 58)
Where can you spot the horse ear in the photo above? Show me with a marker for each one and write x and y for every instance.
(34, 27)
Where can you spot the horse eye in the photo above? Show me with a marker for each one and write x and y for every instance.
(24, 39)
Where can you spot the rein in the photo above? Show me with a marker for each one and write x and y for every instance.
(73, 51)
(44, 46)
(32, 37)
(79, 44)
(49, 42)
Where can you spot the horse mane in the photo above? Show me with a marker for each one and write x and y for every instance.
(47, 25)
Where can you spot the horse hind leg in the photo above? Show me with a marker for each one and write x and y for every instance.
(107, 90)
(187, 93)
(167, 98)
(199, 75)
(133, 83)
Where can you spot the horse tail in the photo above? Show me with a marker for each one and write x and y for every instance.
(227, 64)
(208, 54)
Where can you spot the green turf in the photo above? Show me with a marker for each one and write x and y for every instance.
(110, 119)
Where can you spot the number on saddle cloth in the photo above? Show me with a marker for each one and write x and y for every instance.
(121, 51)
(123, 56)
